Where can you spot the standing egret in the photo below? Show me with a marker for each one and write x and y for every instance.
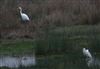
(87, 53)
(91, 61)
(24, 16)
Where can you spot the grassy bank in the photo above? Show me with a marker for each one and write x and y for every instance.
(57, 41)
(61, 48)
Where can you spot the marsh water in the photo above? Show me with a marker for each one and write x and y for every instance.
(17, 61)
(62, 61)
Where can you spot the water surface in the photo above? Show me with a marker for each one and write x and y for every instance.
(15, 62)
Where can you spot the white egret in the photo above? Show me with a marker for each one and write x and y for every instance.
(91, 61)
(24, 16)
(87, 53)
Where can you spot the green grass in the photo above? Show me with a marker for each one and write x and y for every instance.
(11, 47)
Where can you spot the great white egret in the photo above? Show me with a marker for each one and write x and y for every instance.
(87, 53)
(24, 16)
(91, 61)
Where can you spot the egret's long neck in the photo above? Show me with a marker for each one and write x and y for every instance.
(20, 11)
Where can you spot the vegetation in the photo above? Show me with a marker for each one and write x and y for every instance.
(60, 49)
(70, 39)
(16, 47)
(43, 14)
(57, 32)
(57, 41)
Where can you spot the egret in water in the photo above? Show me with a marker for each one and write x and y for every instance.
(87, 53)
(24, 16)
(91, 61)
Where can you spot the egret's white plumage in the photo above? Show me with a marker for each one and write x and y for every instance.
(87, 53)
(90, 60)
(24, 16)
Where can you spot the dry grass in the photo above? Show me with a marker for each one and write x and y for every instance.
(47, 13)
